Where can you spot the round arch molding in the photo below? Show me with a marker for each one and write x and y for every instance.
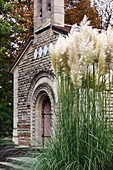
(40, 77)
(41, 87)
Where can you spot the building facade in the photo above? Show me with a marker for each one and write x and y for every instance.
(35, 97)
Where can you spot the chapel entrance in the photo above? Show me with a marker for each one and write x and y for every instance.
(46, 120)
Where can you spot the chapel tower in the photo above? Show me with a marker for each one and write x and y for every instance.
(48, 11)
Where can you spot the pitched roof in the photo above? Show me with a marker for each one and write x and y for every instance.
(63, 30)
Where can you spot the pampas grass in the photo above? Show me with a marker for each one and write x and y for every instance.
(83, 137)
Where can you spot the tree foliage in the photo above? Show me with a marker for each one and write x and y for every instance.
(16, 25)
(23, 12)
(105, 12)
(76, 9)
(6, 29)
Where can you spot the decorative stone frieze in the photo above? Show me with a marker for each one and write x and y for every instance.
(41, 51)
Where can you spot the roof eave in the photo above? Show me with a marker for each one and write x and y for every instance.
(60, 29)
(21, 53)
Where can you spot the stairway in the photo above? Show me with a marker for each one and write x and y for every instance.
(16, 159)
(17, 163)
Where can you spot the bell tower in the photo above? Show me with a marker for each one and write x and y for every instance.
(48, 11)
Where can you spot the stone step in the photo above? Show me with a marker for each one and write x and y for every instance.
(26, 160)
(16, 163)
(15, 159)
(9, 166)
(12, 152)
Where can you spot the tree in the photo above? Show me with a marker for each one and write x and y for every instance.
(76, 9)
(23, 12)
(105, 11)
(16, 25)
(7, 25)
(5, 108)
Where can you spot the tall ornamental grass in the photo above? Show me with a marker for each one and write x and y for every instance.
(82, 62)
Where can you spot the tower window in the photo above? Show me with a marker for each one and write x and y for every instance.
(41, 12)
(49, 6)
(40, 8)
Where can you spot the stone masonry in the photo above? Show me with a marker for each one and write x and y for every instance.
(29, 71)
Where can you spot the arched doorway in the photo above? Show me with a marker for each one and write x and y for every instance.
(46, 119)
(43, 112)
(42, 118)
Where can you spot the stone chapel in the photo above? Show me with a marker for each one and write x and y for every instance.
(35, 97)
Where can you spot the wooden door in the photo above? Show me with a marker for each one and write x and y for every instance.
(46, 115)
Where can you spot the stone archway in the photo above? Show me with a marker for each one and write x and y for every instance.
(42, 115)
(42, 88)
